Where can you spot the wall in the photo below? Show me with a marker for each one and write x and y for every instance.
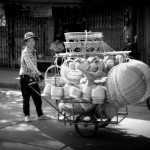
(147, 34)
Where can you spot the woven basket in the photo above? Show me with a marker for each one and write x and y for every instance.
(109, 110)
(57, 93)
(83, 35)
(106, 110)
(86, 93)
(98, 95)
(72, 109)
(146, 71)
(47, 90)
(70, 75)
(75, 92)
(99, 111)
(87, 106)
(56, 80)
(67, 91)
(126, 85)
(94, 75)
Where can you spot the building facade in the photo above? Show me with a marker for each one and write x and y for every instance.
(125, 25)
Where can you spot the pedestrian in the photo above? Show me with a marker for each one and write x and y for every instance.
(29, 73)
(57, 47)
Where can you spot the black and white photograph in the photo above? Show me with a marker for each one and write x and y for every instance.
(74, 75)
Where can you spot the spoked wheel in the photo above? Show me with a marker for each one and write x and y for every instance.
(86, 125)
(148, 103)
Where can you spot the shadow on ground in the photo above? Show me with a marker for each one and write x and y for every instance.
(106, 138)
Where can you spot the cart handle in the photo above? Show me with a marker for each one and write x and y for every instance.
(35, 82)
(47, 100)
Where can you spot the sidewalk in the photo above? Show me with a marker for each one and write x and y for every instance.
(10, 79)
(15, 134)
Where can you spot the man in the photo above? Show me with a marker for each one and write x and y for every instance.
(30, 73)
(57, 47)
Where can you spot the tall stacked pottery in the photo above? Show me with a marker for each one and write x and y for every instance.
(126, 85)
(146, 71)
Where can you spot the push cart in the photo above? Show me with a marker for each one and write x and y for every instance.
(86, 123)
(84, 47)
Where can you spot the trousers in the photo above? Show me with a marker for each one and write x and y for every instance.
(27, 92)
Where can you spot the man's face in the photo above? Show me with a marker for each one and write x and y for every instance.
(57, 41)
(30, 43)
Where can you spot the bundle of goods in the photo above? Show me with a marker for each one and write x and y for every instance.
(97, 76)
(80, 74)
(126, 85)
(96, 69)
(77, 36)
(98, 95)
(84, 79)
(70, 108)
(86, 41)
(146, 71)
(107, 110)
(51, 82)
(57, 93)
(70, 73)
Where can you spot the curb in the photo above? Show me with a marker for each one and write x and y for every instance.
(15, 86)
(10, 85)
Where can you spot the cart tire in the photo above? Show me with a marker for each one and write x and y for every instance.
(86, 128)
(148, 103)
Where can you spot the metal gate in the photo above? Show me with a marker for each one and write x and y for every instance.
(109, 21)
(26, 23)
(4, 53)
(12, 35)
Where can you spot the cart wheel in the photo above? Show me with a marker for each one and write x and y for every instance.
(86, 125)
(148, 103)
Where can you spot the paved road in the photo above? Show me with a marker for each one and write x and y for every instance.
(132, 133)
